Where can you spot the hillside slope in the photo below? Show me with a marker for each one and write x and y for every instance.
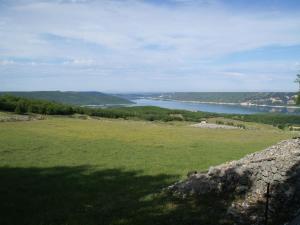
(71, 97)
(269, 98)
(63, 170)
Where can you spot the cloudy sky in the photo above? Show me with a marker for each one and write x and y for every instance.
(149, 45)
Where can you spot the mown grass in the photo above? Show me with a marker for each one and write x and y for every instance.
(73, 171)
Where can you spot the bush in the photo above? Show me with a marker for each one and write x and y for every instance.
(20, 107)
(219, 122)
(242, 126)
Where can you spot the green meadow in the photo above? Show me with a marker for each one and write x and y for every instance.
(65, 170)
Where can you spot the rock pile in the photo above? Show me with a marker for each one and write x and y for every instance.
(246, 180)
(214, 126)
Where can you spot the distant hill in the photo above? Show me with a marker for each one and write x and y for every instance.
(72, 97)
(267, 98)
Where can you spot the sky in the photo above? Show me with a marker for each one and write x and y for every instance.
(149, 45)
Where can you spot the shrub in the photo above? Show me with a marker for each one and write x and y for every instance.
(20, 108)
(219, 122)
(242, 126)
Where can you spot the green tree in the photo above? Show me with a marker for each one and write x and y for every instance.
(298, 80)
(30, 109)
(298, 97)
(20, 107)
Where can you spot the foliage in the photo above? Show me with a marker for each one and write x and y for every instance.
(228, 97)
(71, 97)
(149, 113)
(298, 79)
(270, 118)
(23, 105)
(230, 123)
(298, 99)
(240, 125)
(220, 122)
(298, 96)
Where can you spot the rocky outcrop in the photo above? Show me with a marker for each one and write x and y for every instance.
(16, 117)
(214, 126)
(246, 180)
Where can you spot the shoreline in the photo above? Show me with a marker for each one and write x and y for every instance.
(227, 103)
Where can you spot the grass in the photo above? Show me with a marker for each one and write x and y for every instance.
(73, 171)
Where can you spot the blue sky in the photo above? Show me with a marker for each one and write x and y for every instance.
(149, 45)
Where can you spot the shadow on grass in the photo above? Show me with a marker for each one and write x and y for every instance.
(80, 195)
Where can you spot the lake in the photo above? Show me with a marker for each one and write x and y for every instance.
(215, 108)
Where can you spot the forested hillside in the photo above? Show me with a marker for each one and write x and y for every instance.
(268, 98)
(24, 105)
(71, 97)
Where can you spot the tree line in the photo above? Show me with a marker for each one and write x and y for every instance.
(22, 105)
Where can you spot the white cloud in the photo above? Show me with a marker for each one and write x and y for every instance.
(135, 38)
(6, 62)
(233, 74)
(125, 27)
(81, 62)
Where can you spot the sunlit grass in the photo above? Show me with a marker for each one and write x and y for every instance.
(134, 145)
(73, 171)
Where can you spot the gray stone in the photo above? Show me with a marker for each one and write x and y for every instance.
(248, 177)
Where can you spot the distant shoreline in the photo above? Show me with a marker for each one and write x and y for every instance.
(245, 104)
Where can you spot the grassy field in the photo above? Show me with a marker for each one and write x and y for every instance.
(73, 171)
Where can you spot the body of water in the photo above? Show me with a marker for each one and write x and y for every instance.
(215, 108)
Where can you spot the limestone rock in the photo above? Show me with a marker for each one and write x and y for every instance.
(278, 165)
